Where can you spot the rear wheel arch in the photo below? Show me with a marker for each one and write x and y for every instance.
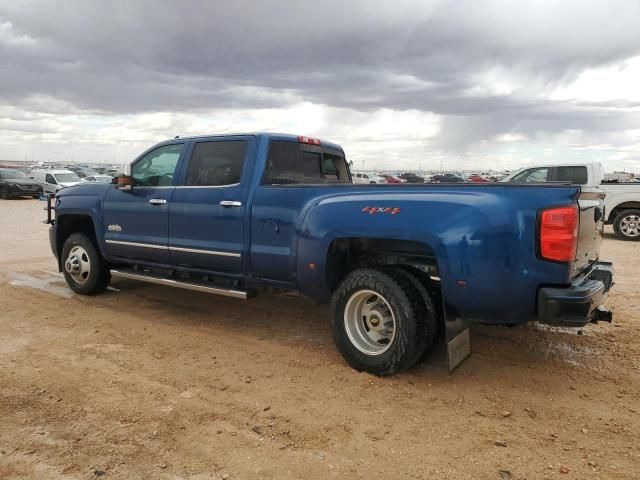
(348, 253)
(621, 207)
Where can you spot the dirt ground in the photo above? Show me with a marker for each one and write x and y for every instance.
(150, 382)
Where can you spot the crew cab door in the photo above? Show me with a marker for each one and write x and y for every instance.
(49, 185)
(137, 221)
(207, 211)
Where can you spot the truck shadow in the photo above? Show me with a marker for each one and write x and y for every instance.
(282, 319)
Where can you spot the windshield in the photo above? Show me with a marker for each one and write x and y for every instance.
(67, 177)
(10, 174)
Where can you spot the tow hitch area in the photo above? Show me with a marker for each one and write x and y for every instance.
(601, 314)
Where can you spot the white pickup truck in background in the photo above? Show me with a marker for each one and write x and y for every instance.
(622, 201)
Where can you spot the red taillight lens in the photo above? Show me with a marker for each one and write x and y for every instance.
(559, 234)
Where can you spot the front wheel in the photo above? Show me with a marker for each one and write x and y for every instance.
(376, 318)
(627, 225)
(84, 269)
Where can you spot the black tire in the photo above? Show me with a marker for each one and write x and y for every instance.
(409, 340)
(98, 277)
(433, 322)
(617, 224)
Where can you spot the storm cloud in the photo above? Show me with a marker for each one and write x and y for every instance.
(483, 71)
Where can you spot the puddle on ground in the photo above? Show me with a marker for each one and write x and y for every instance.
(54, 285)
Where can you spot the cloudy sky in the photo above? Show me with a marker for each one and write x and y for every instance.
(402, 84)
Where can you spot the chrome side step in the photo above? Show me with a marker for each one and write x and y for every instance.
(198, 287)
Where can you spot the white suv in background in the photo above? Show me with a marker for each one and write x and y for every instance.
(622, 200)
(54, 180)
(360, 177)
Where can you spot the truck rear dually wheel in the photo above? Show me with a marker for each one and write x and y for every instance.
(84, 269)
(627, 225)
(433, 324)
(377, 320)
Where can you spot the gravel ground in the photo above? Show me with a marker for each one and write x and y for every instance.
(149, 382)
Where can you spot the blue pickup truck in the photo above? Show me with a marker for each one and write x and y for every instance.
(232, 214)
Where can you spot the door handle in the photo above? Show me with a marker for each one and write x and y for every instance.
(230, 203)
(157, 201)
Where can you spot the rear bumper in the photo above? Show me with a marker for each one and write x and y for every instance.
(577, 305)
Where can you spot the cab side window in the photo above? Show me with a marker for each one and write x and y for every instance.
(49, 179)
(532, 175)
(216, 163)
(157, 168)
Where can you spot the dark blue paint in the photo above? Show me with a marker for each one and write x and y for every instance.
(483, 235)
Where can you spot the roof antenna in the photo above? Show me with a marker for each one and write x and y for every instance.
(177, 136)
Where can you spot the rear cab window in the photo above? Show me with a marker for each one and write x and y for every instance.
(292, 163)
(577, 175)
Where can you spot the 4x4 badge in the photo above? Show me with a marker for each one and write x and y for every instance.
(114, 228)
(376, 210)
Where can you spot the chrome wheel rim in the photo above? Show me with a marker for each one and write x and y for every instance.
(77, 264)
(369, 322)
(630, 225)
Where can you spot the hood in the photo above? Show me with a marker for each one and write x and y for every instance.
(68, 184)
(85, 188)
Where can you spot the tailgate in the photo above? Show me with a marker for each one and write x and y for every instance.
(591, 204)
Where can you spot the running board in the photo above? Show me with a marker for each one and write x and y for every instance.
(198, 287)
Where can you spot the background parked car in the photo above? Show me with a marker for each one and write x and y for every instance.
(54, 180)
(14, 183)
(448, 178)
(83, 172)
(411, 177)
(621, 201)
(361, 177)
(475, 178)
(98, 178)
(391, 178)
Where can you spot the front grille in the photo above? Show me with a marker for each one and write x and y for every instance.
(29, 188)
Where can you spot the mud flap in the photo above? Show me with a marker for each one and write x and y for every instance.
(458, 340)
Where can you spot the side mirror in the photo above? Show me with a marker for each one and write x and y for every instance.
(123, 182)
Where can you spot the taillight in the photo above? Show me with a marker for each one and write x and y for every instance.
(559, 233)
(309, 140)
